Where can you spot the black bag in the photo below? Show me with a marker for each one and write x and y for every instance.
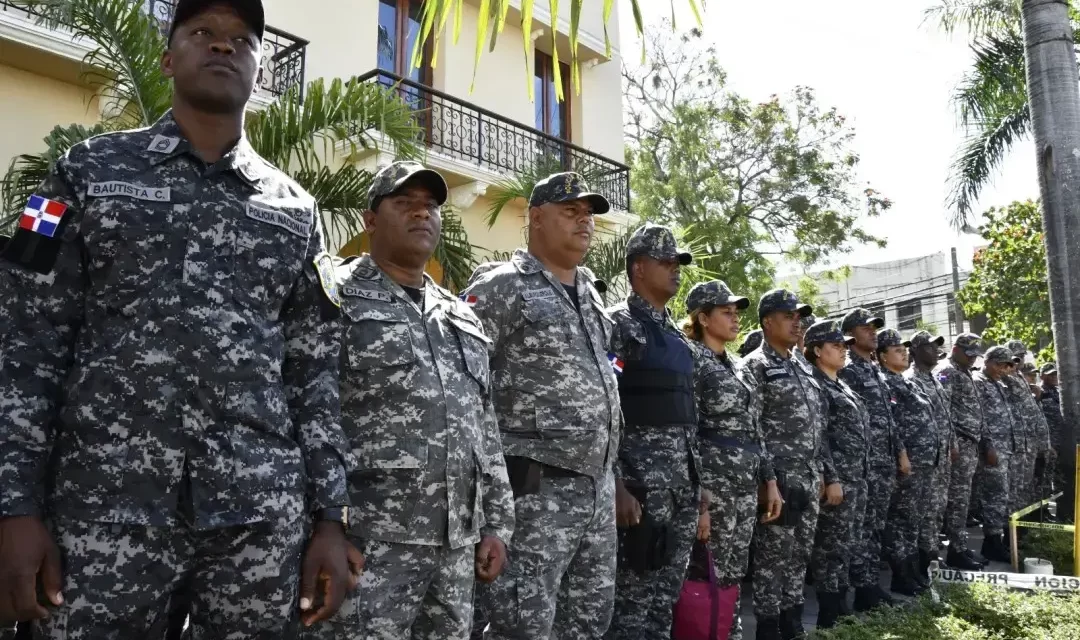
(648, 545)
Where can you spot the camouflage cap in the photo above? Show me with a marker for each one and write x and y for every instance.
(860, 318)
(752, 342)
(714, 293)
(921, 338)
(781, 300)
(890, 338)
(1000, 354)
(656, 241)
(564, 187)
(1017, 347)
(251, 11)
(394, 176)
(807, 321)
(1048, 369)
(1029, 367)
(969, 343)
(826, 331)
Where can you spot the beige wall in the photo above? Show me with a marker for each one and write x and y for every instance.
(32, 105)
(342, 33)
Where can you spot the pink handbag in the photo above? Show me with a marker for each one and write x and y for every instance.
(705, 610)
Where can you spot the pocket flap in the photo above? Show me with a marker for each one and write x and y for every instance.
(541, 310)
(386, 454)
(465, 325)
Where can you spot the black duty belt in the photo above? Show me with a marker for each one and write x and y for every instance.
(728, 441)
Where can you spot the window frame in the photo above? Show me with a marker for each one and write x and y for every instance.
(402, 54)
(544, 65)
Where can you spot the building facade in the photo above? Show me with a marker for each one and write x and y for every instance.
(475, 138)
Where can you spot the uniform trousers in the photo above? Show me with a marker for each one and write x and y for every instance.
(866, 558)
(995, 495)
(782, 552)
(838, 529)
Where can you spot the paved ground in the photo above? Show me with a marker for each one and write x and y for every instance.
(810, 609)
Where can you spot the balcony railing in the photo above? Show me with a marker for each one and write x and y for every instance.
(283, 54)
(472, 134)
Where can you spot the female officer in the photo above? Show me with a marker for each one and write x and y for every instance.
(847, 431)
(735, 464)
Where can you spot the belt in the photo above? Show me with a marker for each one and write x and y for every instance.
(728, 441)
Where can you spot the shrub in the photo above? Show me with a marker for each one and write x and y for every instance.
(1055, 546)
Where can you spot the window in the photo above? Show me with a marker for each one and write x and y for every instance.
(909, 315)
(399, 22)
(552, 116)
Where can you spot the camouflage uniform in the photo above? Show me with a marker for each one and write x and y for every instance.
(658, 455)
(734, 459)
(428, 477)
(865, 378)
(793, 423)
(1036, 429)
(848, 433)
(174, 367)
(557, 402)
(918, 430)
(752, 342)
(966, 417)
(928, 384)
(1050, 403)
(999, 433)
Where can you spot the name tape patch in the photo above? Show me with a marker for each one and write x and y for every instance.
(773, 374)
(537, 294)
(138, 191)
(279, 219)
(368, 294)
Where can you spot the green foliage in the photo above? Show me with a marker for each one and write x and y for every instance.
(975, 612)
(1055, 546)
(751, 182)
(1009, 279)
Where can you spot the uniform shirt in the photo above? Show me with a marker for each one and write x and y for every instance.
(1050, 402)
(1035, 429)
(915, 420)
(928, 384)
(792, 410)
(651, 456)
(847, 428)
(999, 430)
(180, 337)
(965, 406)
(427, 461)
(865, 378)
(729, 406)
(555, 392)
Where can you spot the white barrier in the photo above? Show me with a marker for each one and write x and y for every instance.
(1031, 581)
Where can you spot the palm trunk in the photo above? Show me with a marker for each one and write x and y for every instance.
(1054, 94)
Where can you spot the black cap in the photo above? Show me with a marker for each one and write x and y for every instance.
(752, 342)
(564, 187)
(781, 300)
(825, 331)
(860, 318)
(250, 10)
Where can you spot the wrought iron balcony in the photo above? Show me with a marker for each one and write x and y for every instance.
(283, 54)
(466, 132)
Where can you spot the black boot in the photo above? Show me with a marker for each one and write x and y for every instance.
(919, 572)
(866, 598)
(902, 580)
(961, 561)
(994, 548)
(791, 624)
(828, 609)
(977, 558)
(842, 604)
(767, 629)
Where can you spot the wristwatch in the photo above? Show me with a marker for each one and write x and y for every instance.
(334, 514)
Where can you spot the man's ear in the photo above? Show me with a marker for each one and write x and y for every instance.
(369, 221)
(166, 63)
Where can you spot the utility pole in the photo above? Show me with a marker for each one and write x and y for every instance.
(958, 311)
(1054, 100)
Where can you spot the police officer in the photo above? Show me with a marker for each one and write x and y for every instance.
(657, 474)
(751, 344)
(428, 481)
(924, 355)
(887, 453)
(847, 431)
(793, 422)
(966, 416)
(1035, 428)
(804, 324)
(999, 436)
(735, 464)
(557, 402)
(1050, 403)
(918, 431)
(172, 405)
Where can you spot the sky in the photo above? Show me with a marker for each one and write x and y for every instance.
(890, 74)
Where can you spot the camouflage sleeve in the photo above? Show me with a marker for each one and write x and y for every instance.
(40, 317)
(498, 499)
(901, 427)
(824, 453)
(750, 371)
(491, 311)
(896, 435)
(310, 375)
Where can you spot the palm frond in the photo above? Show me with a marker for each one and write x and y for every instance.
(520, 184)
(454, 252)
(979, 17)
(26, 172)
(341, 195)
(980, 156)
(303, 131)
(125, 60)
(996, 82)
(606, 258)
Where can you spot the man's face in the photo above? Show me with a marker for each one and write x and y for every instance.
(865, 337)
(962, 358)
(1050, 379)
(212, 60)
(565, 227)
(659, 277)
(407, 224)
(782, 327)
(926, 355)
(997, 370)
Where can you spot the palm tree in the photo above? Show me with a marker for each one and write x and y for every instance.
(313, 134)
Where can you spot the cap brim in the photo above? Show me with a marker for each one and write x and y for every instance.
(1050, 372)
(939, 341)
(804, 310)
(740, 303)
(251, 11)
(431, 179)
(876, 323)
(849, 340)
(684, 257)
(906, 343)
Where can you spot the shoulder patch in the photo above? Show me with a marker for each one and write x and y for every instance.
(324, 266)
(281, 219)
(163, 144)
(37, 240)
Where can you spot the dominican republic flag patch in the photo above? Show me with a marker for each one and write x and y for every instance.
(42, 216)
(616, 362)
(469, 299)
